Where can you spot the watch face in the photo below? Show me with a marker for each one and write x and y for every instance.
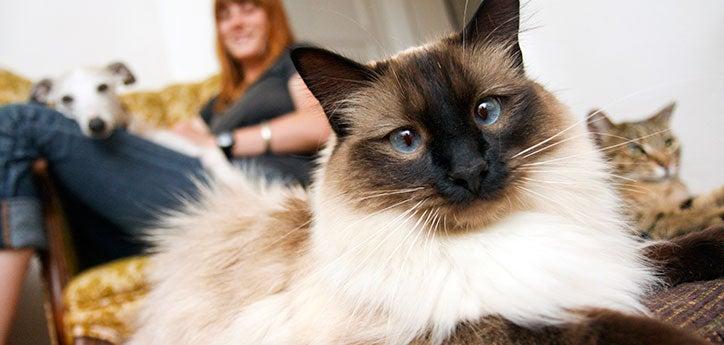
(224, 140)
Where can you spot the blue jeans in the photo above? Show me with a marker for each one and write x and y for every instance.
(121, 184)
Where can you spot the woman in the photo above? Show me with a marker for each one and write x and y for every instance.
(263, 115)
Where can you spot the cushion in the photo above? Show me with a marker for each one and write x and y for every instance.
(13, 88)
(100, 302)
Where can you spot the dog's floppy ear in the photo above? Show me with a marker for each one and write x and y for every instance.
(120, 70)
(39, 91)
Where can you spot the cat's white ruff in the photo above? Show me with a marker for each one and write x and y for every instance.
(568, 252)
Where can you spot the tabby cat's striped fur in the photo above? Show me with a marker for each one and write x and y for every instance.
(645, 156)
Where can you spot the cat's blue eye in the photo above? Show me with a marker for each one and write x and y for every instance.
(405, 140)
(488, 111)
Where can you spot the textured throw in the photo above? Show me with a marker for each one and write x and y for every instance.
(697, 306)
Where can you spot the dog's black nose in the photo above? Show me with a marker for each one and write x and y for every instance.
(97, 125)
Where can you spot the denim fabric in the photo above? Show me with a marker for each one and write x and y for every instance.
(124, 179)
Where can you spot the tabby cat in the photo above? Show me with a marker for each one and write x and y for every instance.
(457, 195)
(645, 156)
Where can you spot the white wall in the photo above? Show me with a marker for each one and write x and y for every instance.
(631, 58)
(43, 37)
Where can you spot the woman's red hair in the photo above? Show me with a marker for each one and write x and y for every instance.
(232, 72)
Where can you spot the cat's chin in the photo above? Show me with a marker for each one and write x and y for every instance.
(477, 214)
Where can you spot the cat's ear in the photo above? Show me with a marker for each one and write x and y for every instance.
(663, 116)
(599, 125)
(331, 78)
(496, 21)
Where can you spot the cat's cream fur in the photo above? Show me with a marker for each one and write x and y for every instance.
(362, 278)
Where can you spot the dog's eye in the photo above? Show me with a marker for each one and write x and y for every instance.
(102, 87)
(67, 100)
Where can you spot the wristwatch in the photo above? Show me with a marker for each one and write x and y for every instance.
(225, 141)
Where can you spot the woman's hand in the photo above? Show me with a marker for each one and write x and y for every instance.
(196, 131)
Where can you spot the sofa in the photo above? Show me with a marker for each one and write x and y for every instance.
(95, 306)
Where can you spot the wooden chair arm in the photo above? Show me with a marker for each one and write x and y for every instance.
(55, 261)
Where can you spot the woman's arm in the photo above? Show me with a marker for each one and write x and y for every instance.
(304, 130)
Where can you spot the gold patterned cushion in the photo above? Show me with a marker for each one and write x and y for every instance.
(173, 103)
(13, 88)
(100, 302)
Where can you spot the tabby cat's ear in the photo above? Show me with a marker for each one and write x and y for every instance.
(599, 125)
(496, 21)
(663, 116)
(331, 78)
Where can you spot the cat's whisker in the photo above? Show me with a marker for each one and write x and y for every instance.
(403, 191)
(430, 234)
(364, 242)
(411, 246)
(568, 139)
(444, 225)
(631, 183)
(622, 177)
(400, 220)
(556, 202)
(551, 182)
(549, 146)
(417, 236)
(638, 191)
(600, 110)
(403, 242)
(588, 153)
(608, 135)
(402, 223)
(386, 190)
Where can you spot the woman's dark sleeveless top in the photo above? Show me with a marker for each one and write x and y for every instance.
(264, 100)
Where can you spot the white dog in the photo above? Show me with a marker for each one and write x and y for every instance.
(88, 96)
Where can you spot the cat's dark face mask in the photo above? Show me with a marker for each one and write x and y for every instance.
(441, 124)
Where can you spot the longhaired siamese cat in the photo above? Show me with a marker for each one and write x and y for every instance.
(459, 203)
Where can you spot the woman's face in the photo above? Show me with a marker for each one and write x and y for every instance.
(244, 30)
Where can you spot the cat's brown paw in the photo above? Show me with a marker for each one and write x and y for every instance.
(696, 256)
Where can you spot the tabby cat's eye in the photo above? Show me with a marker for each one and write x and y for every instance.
(67, 100)
(636, 149)
(669, 142)
(405, 140)
(488, 111)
